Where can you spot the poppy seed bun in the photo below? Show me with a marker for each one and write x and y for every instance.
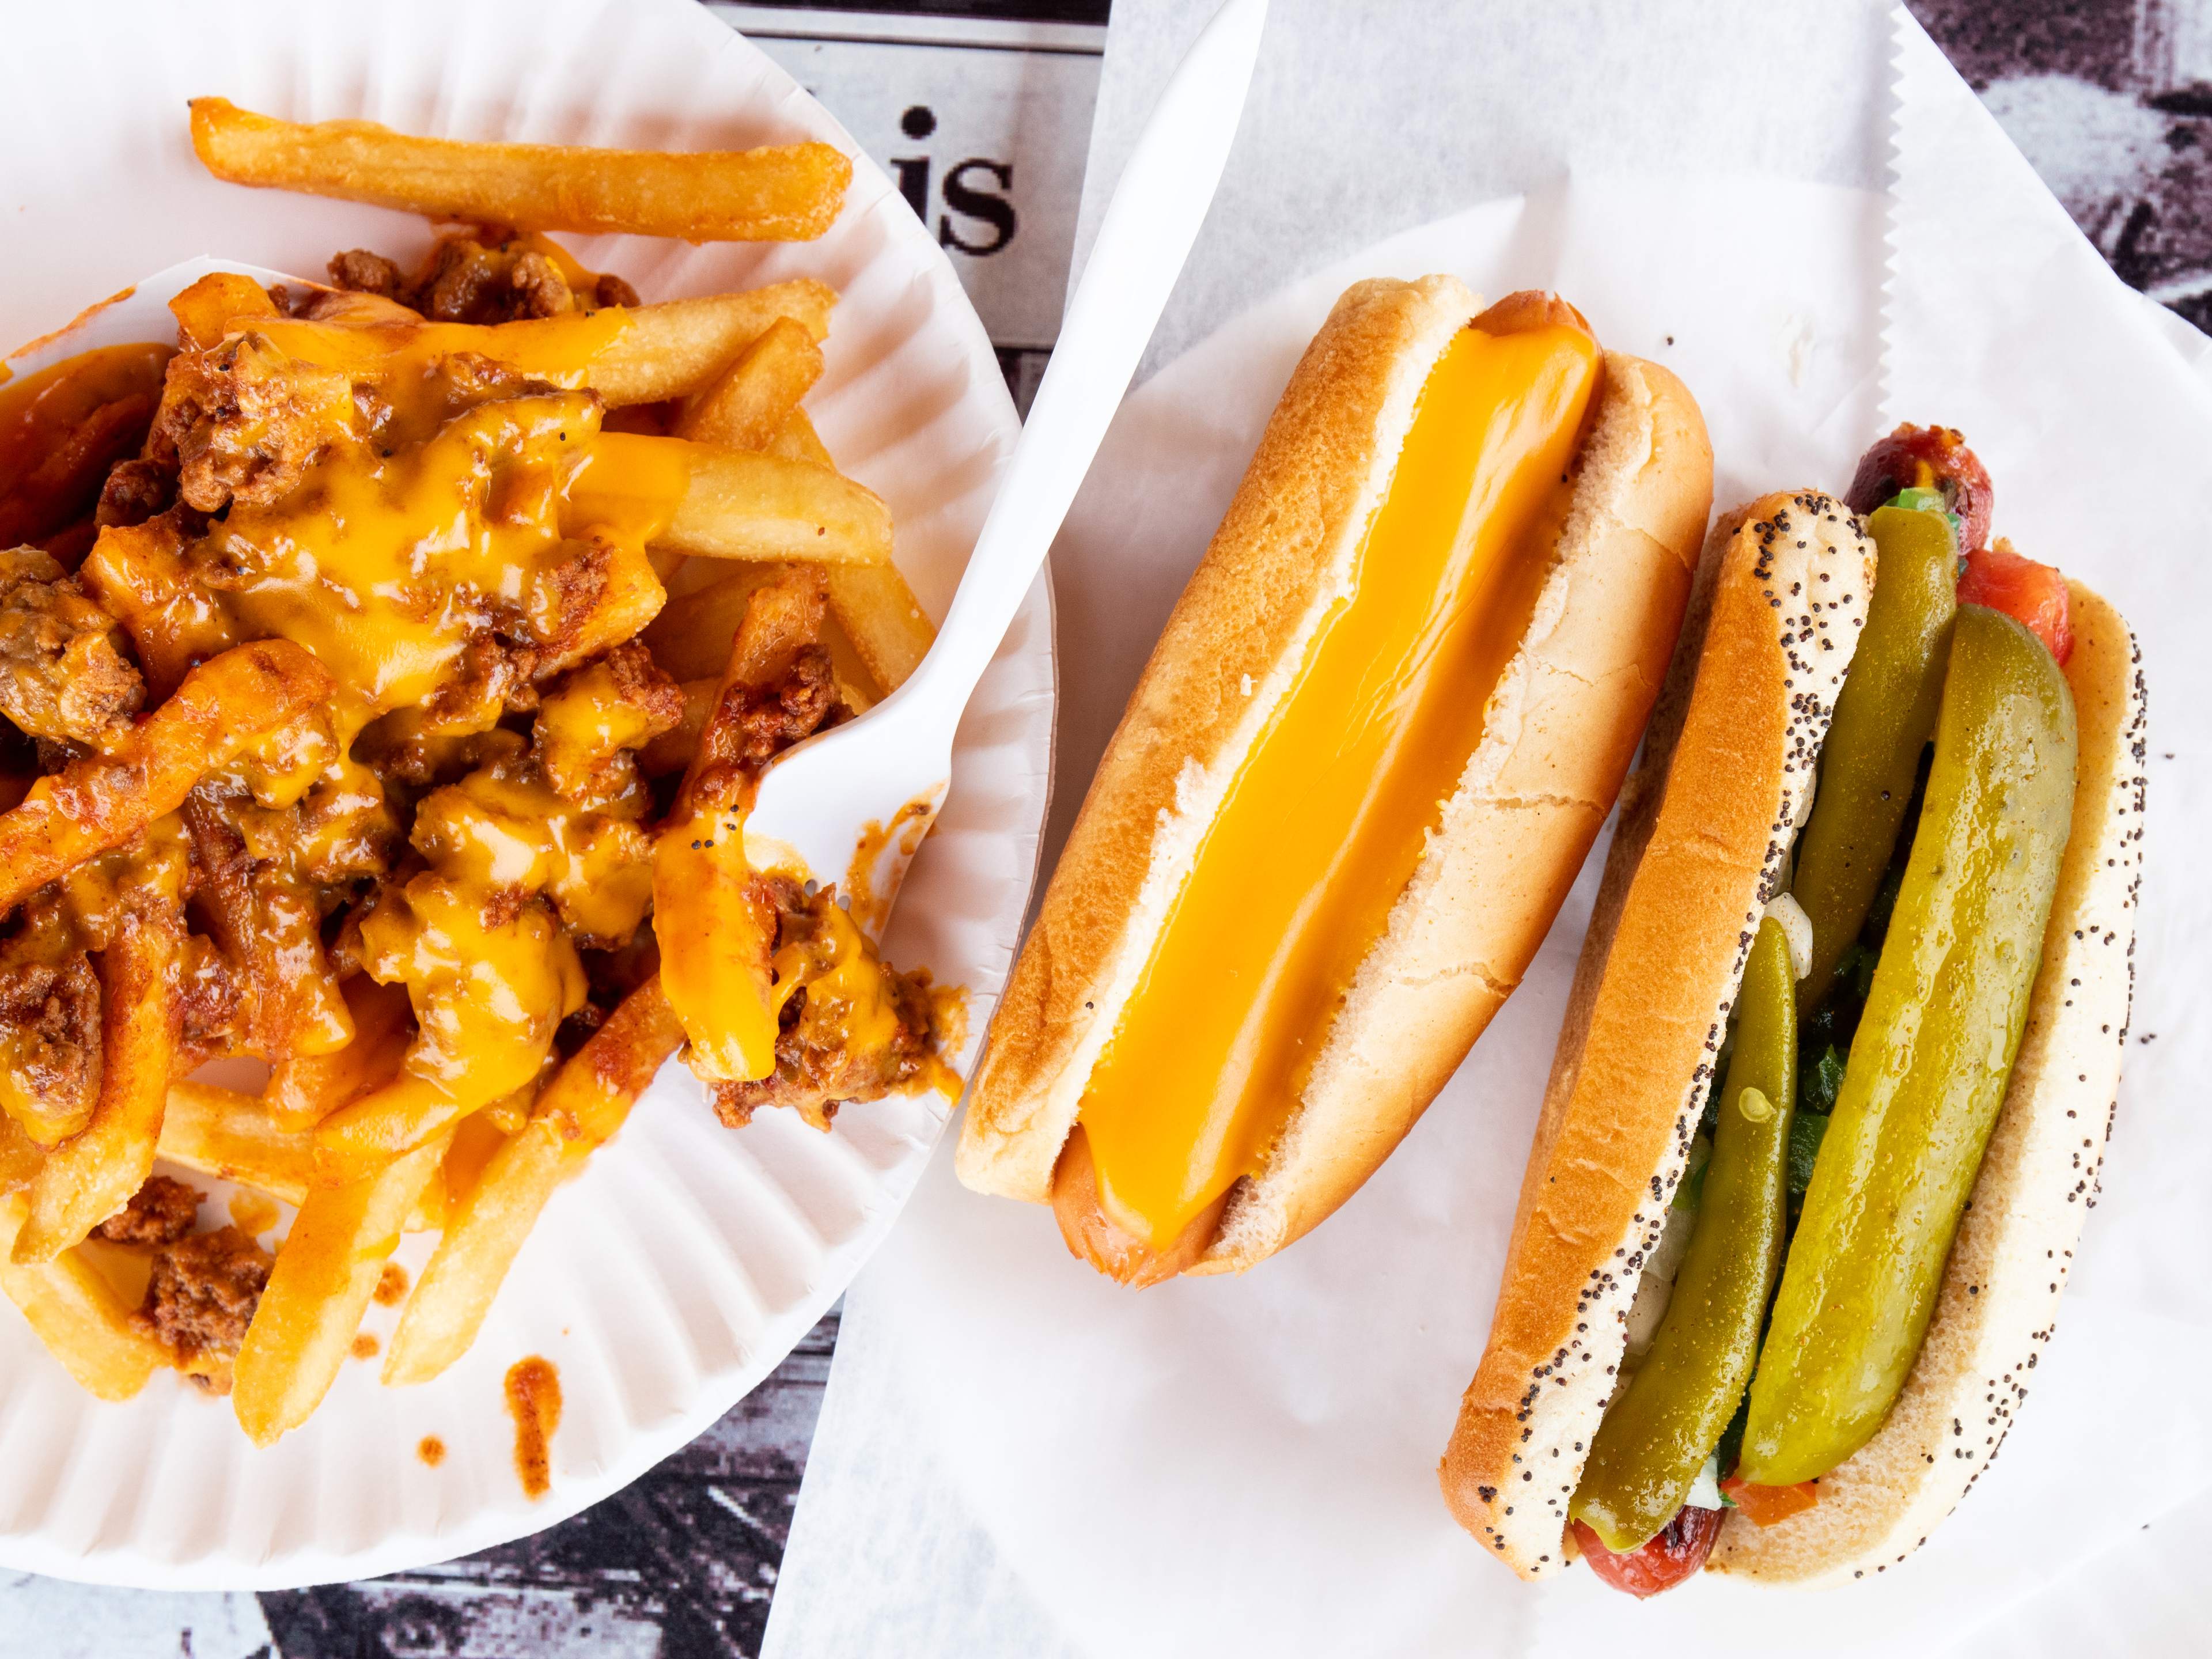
(1705, 832)
(1558, 734)
(1998, 1302)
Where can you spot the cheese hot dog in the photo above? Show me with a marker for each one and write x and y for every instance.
(1749, 1311)
(1372, 749)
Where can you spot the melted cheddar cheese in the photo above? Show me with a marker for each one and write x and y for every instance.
(450, 513)
(1326, 819)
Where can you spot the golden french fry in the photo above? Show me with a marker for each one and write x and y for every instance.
(759, 395)
(777, 193)
(77, 1314)
(878, 611)
(475, 1139)
(302, 1092)
(627, 355)
(873, 605)
(326, 1270)
(101, 801)
(20, 1155)
(690, 638)
(91, 1176)
(690, 641)
(739, 505)
(715, 919)
(234, 1137)
(354, 1141)
(583, 1106)
(141, 577)
(217, 304)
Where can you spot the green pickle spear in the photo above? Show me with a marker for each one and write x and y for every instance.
(1930, 1061)
(1884, 717)
(1666, 1421)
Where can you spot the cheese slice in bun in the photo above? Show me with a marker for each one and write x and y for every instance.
(1369, 753)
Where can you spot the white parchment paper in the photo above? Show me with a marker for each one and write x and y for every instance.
(1015, 1457)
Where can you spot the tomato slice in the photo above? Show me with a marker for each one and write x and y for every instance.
(1678, 1551)
(2028, 592)
(1766, 1505)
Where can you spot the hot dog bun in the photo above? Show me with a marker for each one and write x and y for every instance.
(1705, 829)
(1559, 733)
(1704, 834)
(2001, 1287)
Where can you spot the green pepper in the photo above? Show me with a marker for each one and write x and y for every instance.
(1671, 1415)
(1883, 719)
(1930, 1062)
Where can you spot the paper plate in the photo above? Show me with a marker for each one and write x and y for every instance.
(675, 1273)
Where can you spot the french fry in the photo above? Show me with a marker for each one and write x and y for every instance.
(234, 1137)
(215, 305)
(91, 1176)
(304, 1091)
(779, 192)
(872, 603)
(101, 801)
(140, 575)
(587, 1102)
(355, 1141)
(878, 611)
(20, 1156)
(690, 638)
(690, 641)
(475, 1139)
(716, 921)
(77, 1314)
(326, 1270)
(739, 505)
(755, 398)
(627, 355)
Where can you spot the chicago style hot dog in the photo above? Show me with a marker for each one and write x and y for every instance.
(1843, 1047)
(1369, 754)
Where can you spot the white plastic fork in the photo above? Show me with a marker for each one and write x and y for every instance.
(819, 801)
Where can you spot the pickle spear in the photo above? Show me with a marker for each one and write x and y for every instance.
(1666, 1421)
(1930, 1062)
(1884, 717)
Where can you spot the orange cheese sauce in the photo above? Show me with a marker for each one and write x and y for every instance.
(384, 566)
(1326, 819)
(439, 507)
(559, 349)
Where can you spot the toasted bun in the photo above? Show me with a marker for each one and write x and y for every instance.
(1558, 734)
(1999, 1299)
(1705, 829)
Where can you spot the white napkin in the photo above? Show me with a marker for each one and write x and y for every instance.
(1016, 1458)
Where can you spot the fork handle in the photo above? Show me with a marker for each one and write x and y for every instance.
(1149, 225)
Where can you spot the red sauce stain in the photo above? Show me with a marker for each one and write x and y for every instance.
(391, 1284)
(432, 1450)
(533, 1401)
(869, 908)
(365, 1346)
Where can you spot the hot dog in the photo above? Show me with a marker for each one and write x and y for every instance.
(1383, 725)
(1843, 1045)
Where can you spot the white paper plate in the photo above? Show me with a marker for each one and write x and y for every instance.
(682, 1266)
